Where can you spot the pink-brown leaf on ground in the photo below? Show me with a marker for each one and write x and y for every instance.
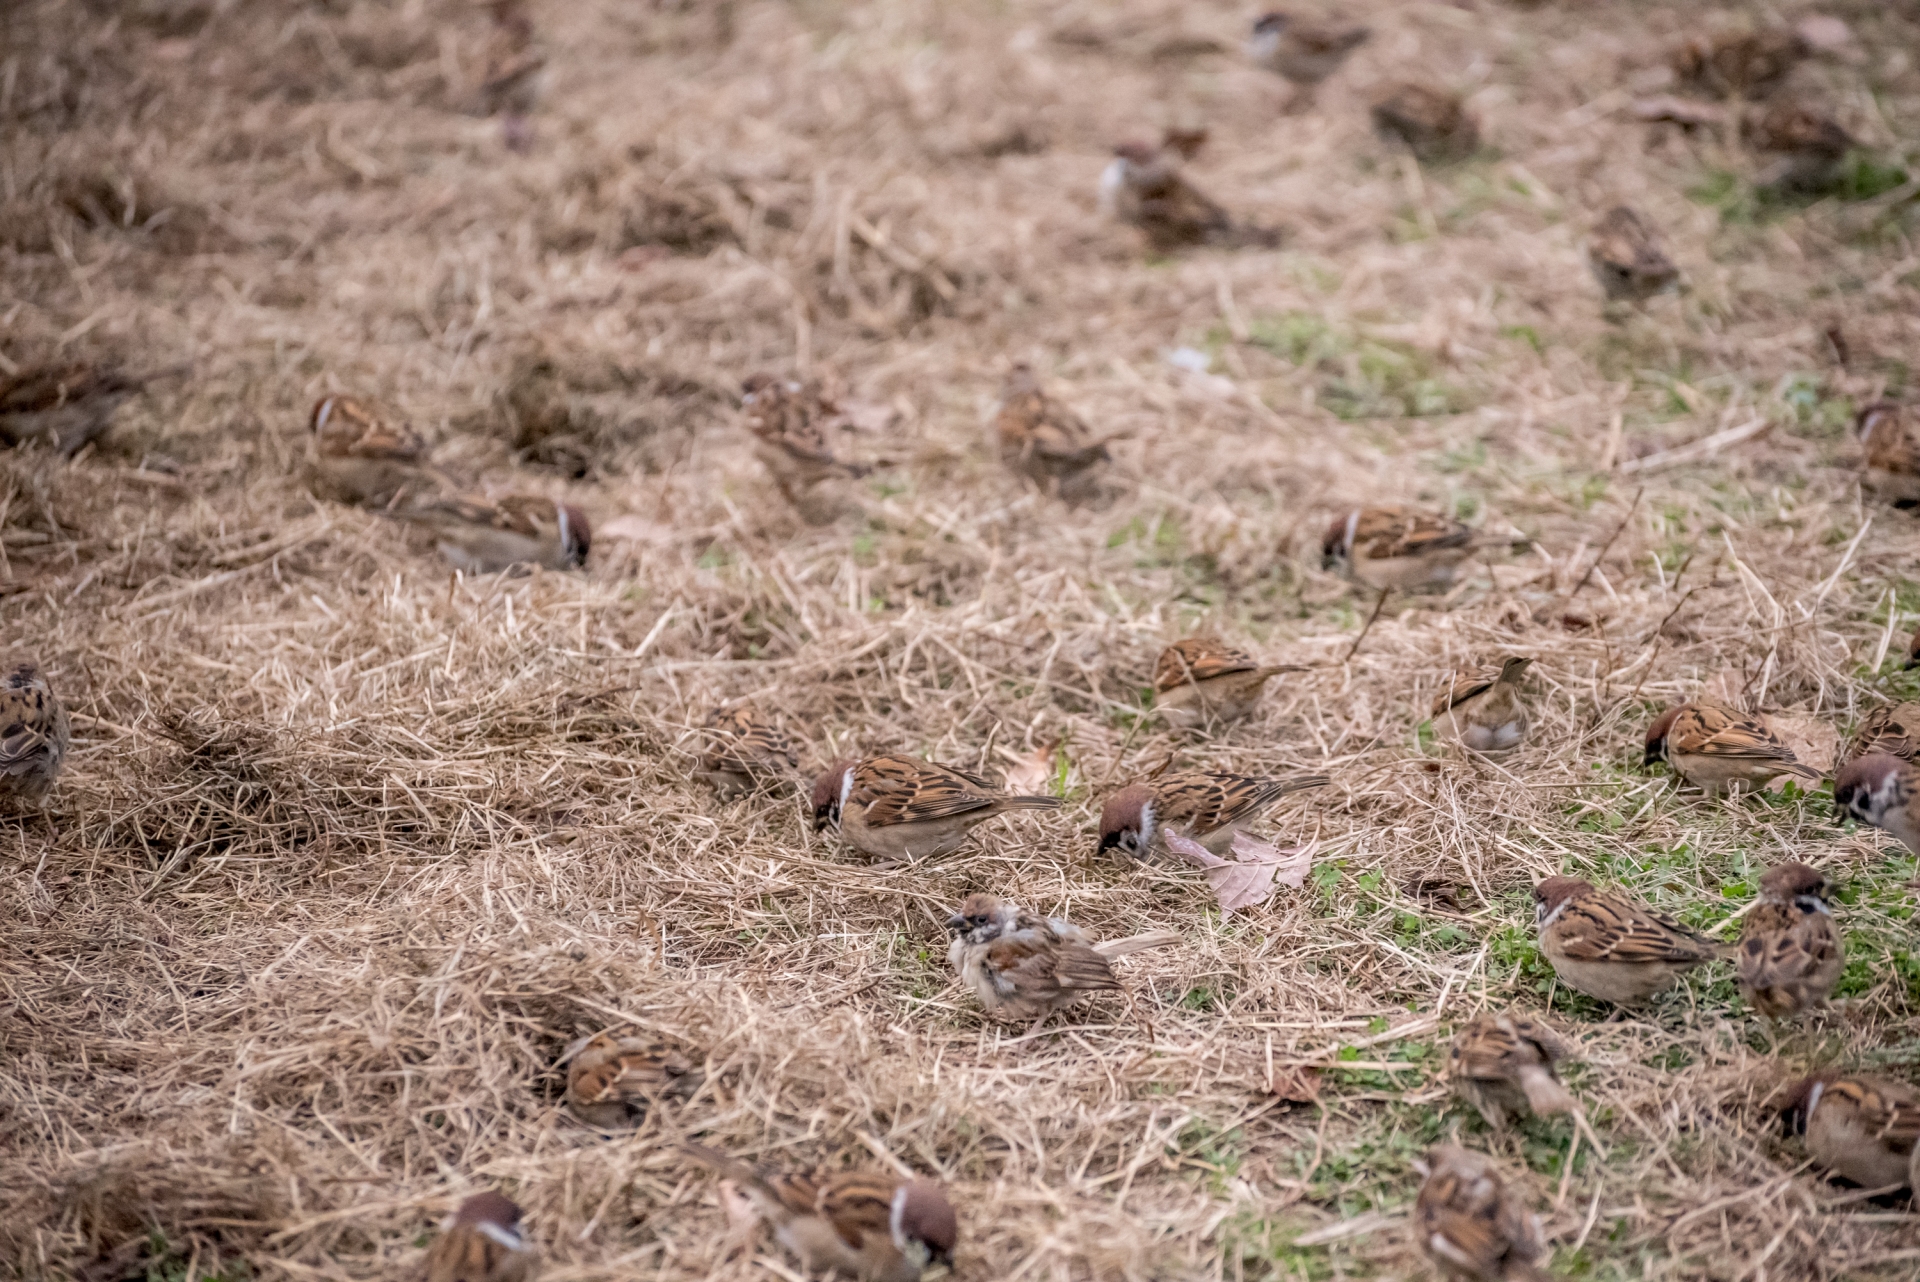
(1030, 774)
(742, 1217)
(1295, 1084)
(1248, 878)
(1290, 865)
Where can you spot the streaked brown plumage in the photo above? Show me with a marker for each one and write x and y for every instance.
(1790, 955)
(1301, 51)
(744, 749)
(1201, 680)
(1503, 1066)
(516, 531)
(65, 405)
(613, 1081)
(1434, 123)
(1886, 432)
(1472, 1222)
(1720, 750)
(34, 734)
(792, 423)
(1749, 64)
(1206, 806)
(1627, 257)
(896, 807)
(1807, 144)
(1894, 731)
(354, 455)
(1608, 946)
(1860, 1127)
(482, 1242)
(1144, 188)
(1884, 791)
(1486, 709)
(1024, 966)
(1395, 547)
(1045, 441)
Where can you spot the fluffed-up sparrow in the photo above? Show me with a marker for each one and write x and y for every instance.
(1472, 1223)
(64, 405)
(1746, 64)
(860, 1224)
(1434, 123)
(1608, 946)
(355, 456)
(1144, 188)
(1024, 966)
(1485, 710)
(1859, 1127)
(1045, 441)
(1886, 433)
(1790, 955)
(895, 807)
(1719, 750)
(1207, 807)
(1883, 791)
(1301, 51)
(34, 734)
(1203, 679)
(1400, 548)
(1503, 1066)
(613, 1081)
(1627, 257)
(792, 423)
(516, 531)
(744, 749)
(1806, 142)
(482, 1242)
(1894, 731)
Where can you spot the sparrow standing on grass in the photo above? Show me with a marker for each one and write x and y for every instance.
(1027, 967)
(34, 734)
(1205, 807)
(1808, 145)
(878, 1228)
(1045, 441)
(1203, 679)
(1894, 731)
(1883, 791)
(745, 750)
(480, 536)
(1471, 1223)
(1434, 123)
(1144, 188)
(613, 1081)
(1608, 946)
(1389, 548)
(790, 423)
(1719, 750)
(482, 1243)
(1885, 432)
(355, 457)
(902, 808)
(1627, 258)
(1860, 1128)
(1485, 710)
(1503, 1066)
(1790, 955)
(1302, 53)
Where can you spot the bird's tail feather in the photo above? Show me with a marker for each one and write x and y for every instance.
(1030, 803)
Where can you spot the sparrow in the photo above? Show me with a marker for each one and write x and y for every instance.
(1471, 1223)
(1143, 187)
(481, 1242)
(1027, 967)
(1484, 710)
(895, 807)
(1880, 790)
(34, 734)
(1203, 679)
(1789, 955)
(1503, 1066)
(1894, 731)
(613, 1081)
(1740, 65)
(1885, 432)
(1399, 547)
(1809, 145)
(878, 1228)
(1045, 441)
(355, 457)
(1913, 651)
(1717, 749)
(1627, 259)
(1206, 807)
(481, 536)
(64, 405)
(745, 750)
(790, 422)
(1860, 1128)
(516, 72)
(1302, 53)
(1186, 139)
(1607, 946)
(1434, 124)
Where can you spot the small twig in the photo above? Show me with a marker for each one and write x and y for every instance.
(1608, 545)
(1378, 606)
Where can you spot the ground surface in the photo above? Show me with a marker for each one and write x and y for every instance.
(348, 852)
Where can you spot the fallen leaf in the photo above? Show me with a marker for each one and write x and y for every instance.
(1298, 1085)
(742, 1218)
(1814, 741)
(1248, 878)
(1291, 865)
(1030, 774)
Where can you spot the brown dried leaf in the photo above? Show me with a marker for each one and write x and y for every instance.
(1030, 774)
(1248, 878)
(1297, 1084)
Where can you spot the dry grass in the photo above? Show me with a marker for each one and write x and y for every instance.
(349, 852)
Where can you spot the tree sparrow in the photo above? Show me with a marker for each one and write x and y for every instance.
(1434, 123)
(1045, 441)
(1627, 259)
(1485, 710)
(516, 72)
(1739, 65)
(1302, 53)
(1203, 680)
(1205, 807)
(613, 1081)
(1472, 1223)
(34, 733)
(1885, 431)
(1880, 790)
(1607, 946)
(1719, 750)
(1503, 1066)
(355, 457)
(1809, 145)
(1894, 731)
(878, 1228)
(895, 807)
(1790, 955)
(790, 422)
(1399, 547)
(482, 1242)
(745, 750)
(1027, 967)
(1860, 1128)
(64, 405)
(1144, 188)
(480, 536)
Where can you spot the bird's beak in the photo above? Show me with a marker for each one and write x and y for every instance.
(956, 923)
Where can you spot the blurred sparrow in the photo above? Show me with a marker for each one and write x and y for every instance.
(1303, 53)
(354, 457)
(1471, 1223)
(1719, 750)
(1790, 954)
(34, 733)
(516, 72)
(1883, 791)
(1894, 731)
(1204, 807)
(863, 1224)
(64, 405)
(1885, 430)
(1399, 547)
(1740, 65)
(481, 1242)
(1913, 651)
(1485, 710)
(894, 807)
(1144, 188)
(790, 422)
(1503, 1066)
(1861, 1128)
(1203, 679)
(1808, 145)
(1186, 139)
(1045, 441)
(613, 1081)
(1607, 946)
(745, 750)
(1434, 123)
(1027, 967)
(479, 536)
(1627, 259)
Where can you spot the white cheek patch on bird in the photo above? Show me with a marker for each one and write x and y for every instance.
(1247, 879)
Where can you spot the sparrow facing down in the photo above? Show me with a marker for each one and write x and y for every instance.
(1894, 731)
(613, 1081)
(1809, 145)
(1740, 65)
(482, 1243)
(1207, 807)
(1608, 946)
(1885, 432)
(1471, 1223)
(1027, 967)
(1302, 53)
(354, 457)
(1399, 547)
(791, 422)
(1045, 441)
(862, 1224)
(1485, 710)
(895, 807)
(1880, 790)
(1203, 679)
(1860, 1128)
(34, 734)
(1503, 1066)
(1434, 123)
(1790, 955)
(745, 750)
(480, 536)
(1144, 188)
(1627, 259)
(1719, 750)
